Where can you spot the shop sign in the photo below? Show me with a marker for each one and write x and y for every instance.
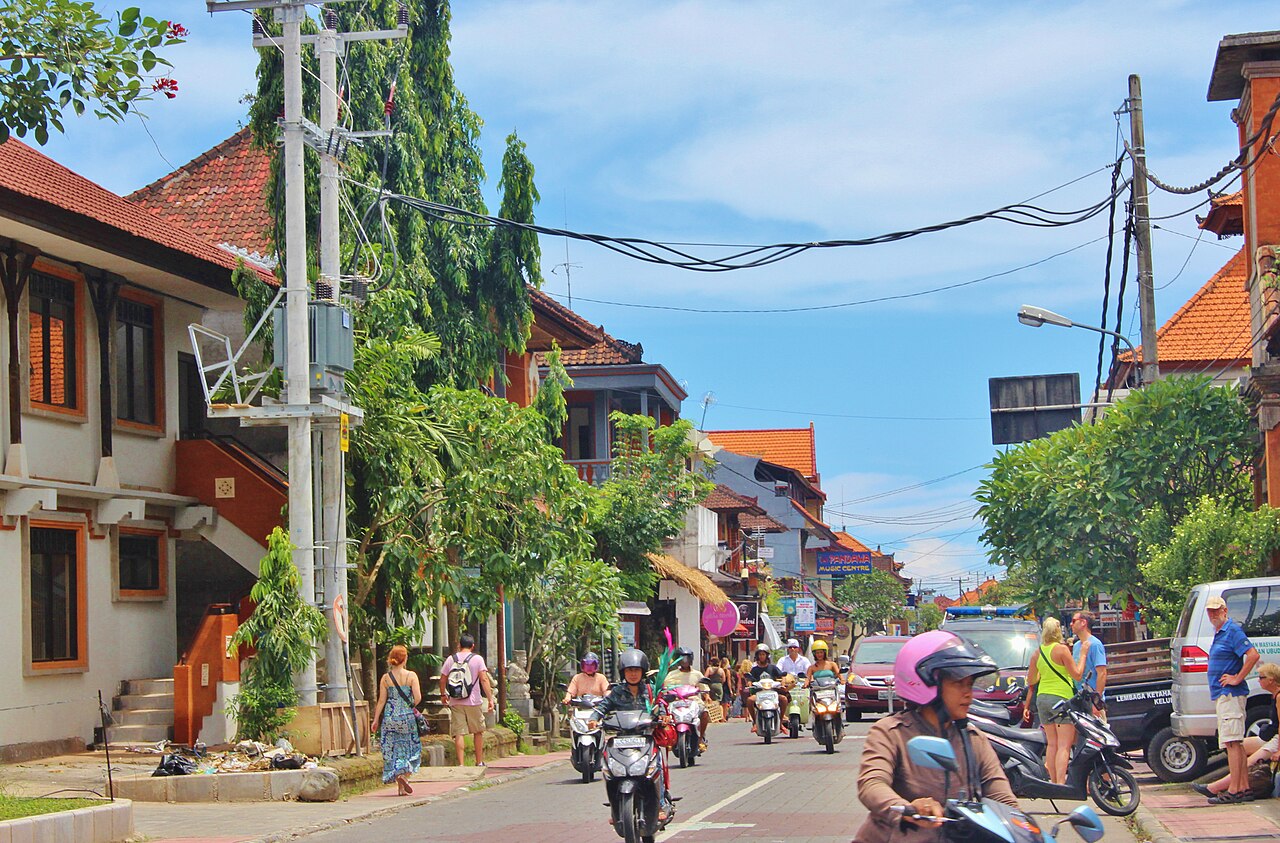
(844, 562)
(806, 614)
(720, 621)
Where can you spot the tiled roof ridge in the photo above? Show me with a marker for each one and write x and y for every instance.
(1208, 287)
(189, 242)
(744, 500)
(146, 191)
(564, 312)
(1221, 199)
(760, 430)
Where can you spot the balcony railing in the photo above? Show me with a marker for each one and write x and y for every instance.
(594, 472)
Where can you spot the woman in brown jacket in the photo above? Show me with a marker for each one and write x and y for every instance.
(934, 674)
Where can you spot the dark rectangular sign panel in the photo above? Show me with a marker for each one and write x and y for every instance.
(1015, 403)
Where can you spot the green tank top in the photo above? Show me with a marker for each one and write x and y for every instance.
(1054, 678)
(824, 674)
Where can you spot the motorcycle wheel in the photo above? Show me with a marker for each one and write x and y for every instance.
(682, 751)
(692, 751)
(1120, 796)
(828, 738)
(767, 730)
(795, 725)
(629, 817)
(588, 773)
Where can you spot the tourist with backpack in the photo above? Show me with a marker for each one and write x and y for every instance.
(463, 677)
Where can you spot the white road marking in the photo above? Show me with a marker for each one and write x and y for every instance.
(695, 823)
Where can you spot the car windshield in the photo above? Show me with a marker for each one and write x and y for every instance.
(877, 652)
(1012, 650)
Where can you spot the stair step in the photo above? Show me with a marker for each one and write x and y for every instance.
(148, 686)
(139, 734)
(144, 701)
(143, 717)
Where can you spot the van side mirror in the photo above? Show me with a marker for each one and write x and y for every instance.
(934, 753)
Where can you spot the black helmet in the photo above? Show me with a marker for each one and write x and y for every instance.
(957, 661)
(683, 653)
(633, 658)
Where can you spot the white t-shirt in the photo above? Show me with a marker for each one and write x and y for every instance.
(799, 665)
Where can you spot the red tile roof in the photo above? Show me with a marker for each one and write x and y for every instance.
(750, 522)
(848, 542)
(792, 448)
(221, 194)
(547, 312)
(610, 351)
(1213, 327)
(31, 174)
(1226, 215)
(723, 499)
(815, 524)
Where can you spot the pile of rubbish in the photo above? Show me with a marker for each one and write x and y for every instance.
(244, 757)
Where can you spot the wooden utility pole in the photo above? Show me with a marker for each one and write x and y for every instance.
(1142, 234)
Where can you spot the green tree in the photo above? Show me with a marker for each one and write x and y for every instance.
(928, 617)
(284, 631)
(1069, 513)
(60, 54)
(1215, 541)
(644, 501)
(570, 601)
(870, 600)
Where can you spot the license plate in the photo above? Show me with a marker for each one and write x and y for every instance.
(884, 694)
(630, 742)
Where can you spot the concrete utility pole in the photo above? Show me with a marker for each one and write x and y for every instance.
(1142, 234)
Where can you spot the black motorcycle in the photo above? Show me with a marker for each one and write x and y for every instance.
(979, 820)
(633, 774)
(1097, 769)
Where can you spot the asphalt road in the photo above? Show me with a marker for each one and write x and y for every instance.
(740, 790)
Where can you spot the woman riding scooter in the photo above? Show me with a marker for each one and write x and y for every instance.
(934, 675)
(822, 667)
(589, 681)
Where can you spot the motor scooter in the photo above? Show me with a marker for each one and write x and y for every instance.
(828, 724)
(633, 776)
(766, 693)
(1097, 770)
(684, 702)
(587, 741)
(974, 819)
(798, 709)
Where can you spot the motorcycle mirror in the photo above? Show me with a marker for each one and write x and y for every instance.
(1086, 823)
(934, 753)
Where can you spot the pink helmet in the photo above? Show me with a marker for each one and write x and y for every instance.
(932, 656)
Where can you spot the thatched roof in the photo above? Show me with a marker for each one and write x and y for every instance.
(691, 579)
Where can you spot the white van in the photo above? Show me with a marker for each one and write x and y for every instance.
(1255, 605)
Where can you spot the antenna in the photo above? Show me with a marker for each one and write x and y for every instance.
(707, 401)
(568, 280)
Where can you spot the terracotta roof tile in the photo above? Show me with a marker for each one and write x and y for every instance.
(723, 498)
(546, 306)
(609, 351)
(1213, 327)
(220, 194)
(792, 448)
(1226, 215)
(817, 524)
(29, 173)
(767, 523)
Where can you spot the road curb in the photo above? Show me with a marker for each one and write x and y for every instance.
(482, 784)
(1152, 827)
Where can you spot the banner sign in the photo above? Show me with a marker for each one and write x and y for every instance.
(720, 622)
(806, 614)
(841, 562)
(788, 605)
(825, 627)
(748, 616)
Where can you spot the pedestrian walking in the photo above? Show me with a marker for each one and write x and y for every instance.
(1231, 658)
(464, 683)
(398, 694)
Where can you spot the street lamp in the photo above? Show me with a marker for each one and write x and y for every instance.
(1036, 316)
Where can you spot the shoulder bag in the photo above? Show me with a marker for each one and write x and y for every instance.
(421, 721)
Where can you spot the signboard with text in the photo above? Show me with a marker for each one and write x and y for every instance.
(844, 562)
(806, 614)
(825, 627)
(748, 616)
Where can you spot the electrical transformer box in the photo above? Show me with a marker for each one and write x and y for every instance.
(332, 344)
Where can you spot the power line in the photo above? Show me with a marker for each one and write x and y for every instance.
(913, 486)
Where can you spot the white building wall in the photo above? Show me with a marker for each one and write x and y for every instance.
(688, 618)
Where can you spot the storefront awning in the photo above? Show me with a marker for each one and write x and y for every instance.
(690, 579)
(634, 607)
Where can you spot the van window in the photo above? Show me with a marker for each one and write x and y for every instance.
(1184, 622)
(1256, 609)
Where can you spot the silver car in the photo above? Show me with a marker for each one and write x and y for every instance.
(1255, 605)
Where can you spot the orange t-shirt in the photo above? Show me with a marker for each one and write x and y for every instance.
(581, 684)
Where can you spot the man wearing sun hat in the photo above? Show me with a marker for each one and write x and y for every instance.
(1231, 657)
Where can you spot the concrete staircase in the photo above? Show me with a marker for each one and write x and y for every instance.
(142, 713)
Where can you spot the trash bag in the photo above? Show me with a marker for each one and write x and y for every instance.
(288, 762)
(1261, 780)
(175, 765)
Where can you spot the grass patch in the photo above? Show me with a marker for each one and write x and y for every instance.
(17, 807)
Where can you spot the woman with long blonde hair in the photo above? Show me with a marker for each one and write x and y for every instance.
(1053, 674)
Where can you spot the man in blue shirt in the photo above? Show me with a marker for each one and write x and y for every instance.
(1094, 664)
(1231, 658)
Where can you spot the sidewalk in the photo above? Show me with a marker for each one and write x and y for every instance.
(261, 822)
(1174, 813)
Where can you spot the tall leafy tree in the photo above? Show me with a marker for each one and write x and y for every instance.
(57, 55)
(1070, 513)
(870, 600)
(644, 501)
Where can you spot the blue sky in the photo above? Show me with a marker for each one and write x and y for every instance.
(753, 122)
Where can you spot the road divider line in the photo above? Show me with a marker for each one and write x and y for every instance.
(723, 803)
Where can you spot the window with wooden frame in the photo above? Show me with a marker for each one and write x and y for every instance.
(56, 577)
(142, 565)
(137, 355)
(53, 347)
